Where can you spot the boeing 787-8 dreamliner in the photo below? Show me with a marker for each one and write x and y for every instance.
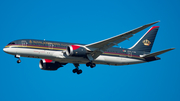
(54, 55)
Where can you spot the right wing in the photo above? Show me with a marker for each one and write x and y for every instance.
(98, 48)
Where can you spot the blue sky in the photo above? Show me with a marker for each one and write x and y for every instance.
(88, 21)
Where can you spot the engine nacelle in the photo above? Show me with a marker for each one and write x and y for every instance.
(46, 64)
(75, 50)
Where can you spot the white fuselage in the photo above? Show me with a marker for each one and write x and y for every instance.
(61, 57)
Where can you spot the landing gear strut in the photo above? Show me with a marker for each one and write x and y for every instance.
(18, 56)
(77, 70)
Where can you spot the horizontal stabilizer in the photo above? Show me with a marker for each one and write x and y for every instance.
(156, 53)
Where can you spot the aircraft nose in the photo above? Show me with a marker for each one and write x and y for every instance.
(7, 50)
(4, 49)
(10, 50)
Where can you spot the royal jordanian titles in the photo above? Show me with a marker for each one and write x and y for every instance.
(54, 55)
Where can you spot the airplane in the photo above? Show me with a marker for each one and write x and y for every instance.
(54, 54)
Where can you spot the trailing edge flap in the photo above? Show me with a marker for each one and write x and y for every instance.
(156, 53)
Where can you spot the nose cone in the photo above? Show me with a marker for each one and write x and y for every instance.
(5, 50)
(10, 50)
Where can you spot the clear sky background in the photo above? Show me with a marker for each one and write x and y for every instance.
(88, 21)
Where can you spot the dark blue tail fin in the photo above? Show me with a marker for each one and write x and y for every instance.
(145, 43)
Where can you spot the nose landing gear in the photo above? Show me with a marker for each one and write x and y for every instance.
(18, 56)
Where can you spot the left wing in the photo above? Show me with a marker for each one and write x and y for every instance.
(98, 48)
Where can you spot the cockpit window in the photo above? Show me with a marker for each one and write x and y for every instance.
(11, 43)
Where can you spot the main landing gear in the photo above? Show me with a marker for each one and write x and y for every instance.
(18, 56)
(77, 70)
(92, 65)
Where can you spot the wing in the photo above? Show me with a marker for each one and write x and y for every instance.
(98, 48)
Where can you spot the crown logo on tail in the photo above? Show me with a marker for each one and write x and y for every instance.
(146, 42)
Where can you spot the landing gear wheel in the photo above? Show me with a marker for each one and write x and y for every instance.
(75, 70)
(18, 61)
(93, 65)
(88, 64)
(79, 71)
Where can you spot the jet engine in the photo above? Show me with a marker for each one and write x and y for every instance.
(46, 64)
(75, 50)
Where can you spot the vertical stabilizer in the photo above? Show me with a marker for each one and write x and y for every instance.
(145, 43)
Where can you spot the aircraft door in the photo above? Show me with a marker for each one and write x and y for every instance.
(24, 43)
(50, 45)
(129, 54)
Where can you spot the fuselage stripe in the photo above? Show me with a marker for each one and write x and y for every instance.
(63, 48)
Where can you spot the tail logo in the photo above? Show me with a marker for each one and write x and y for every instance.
(146, 42)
